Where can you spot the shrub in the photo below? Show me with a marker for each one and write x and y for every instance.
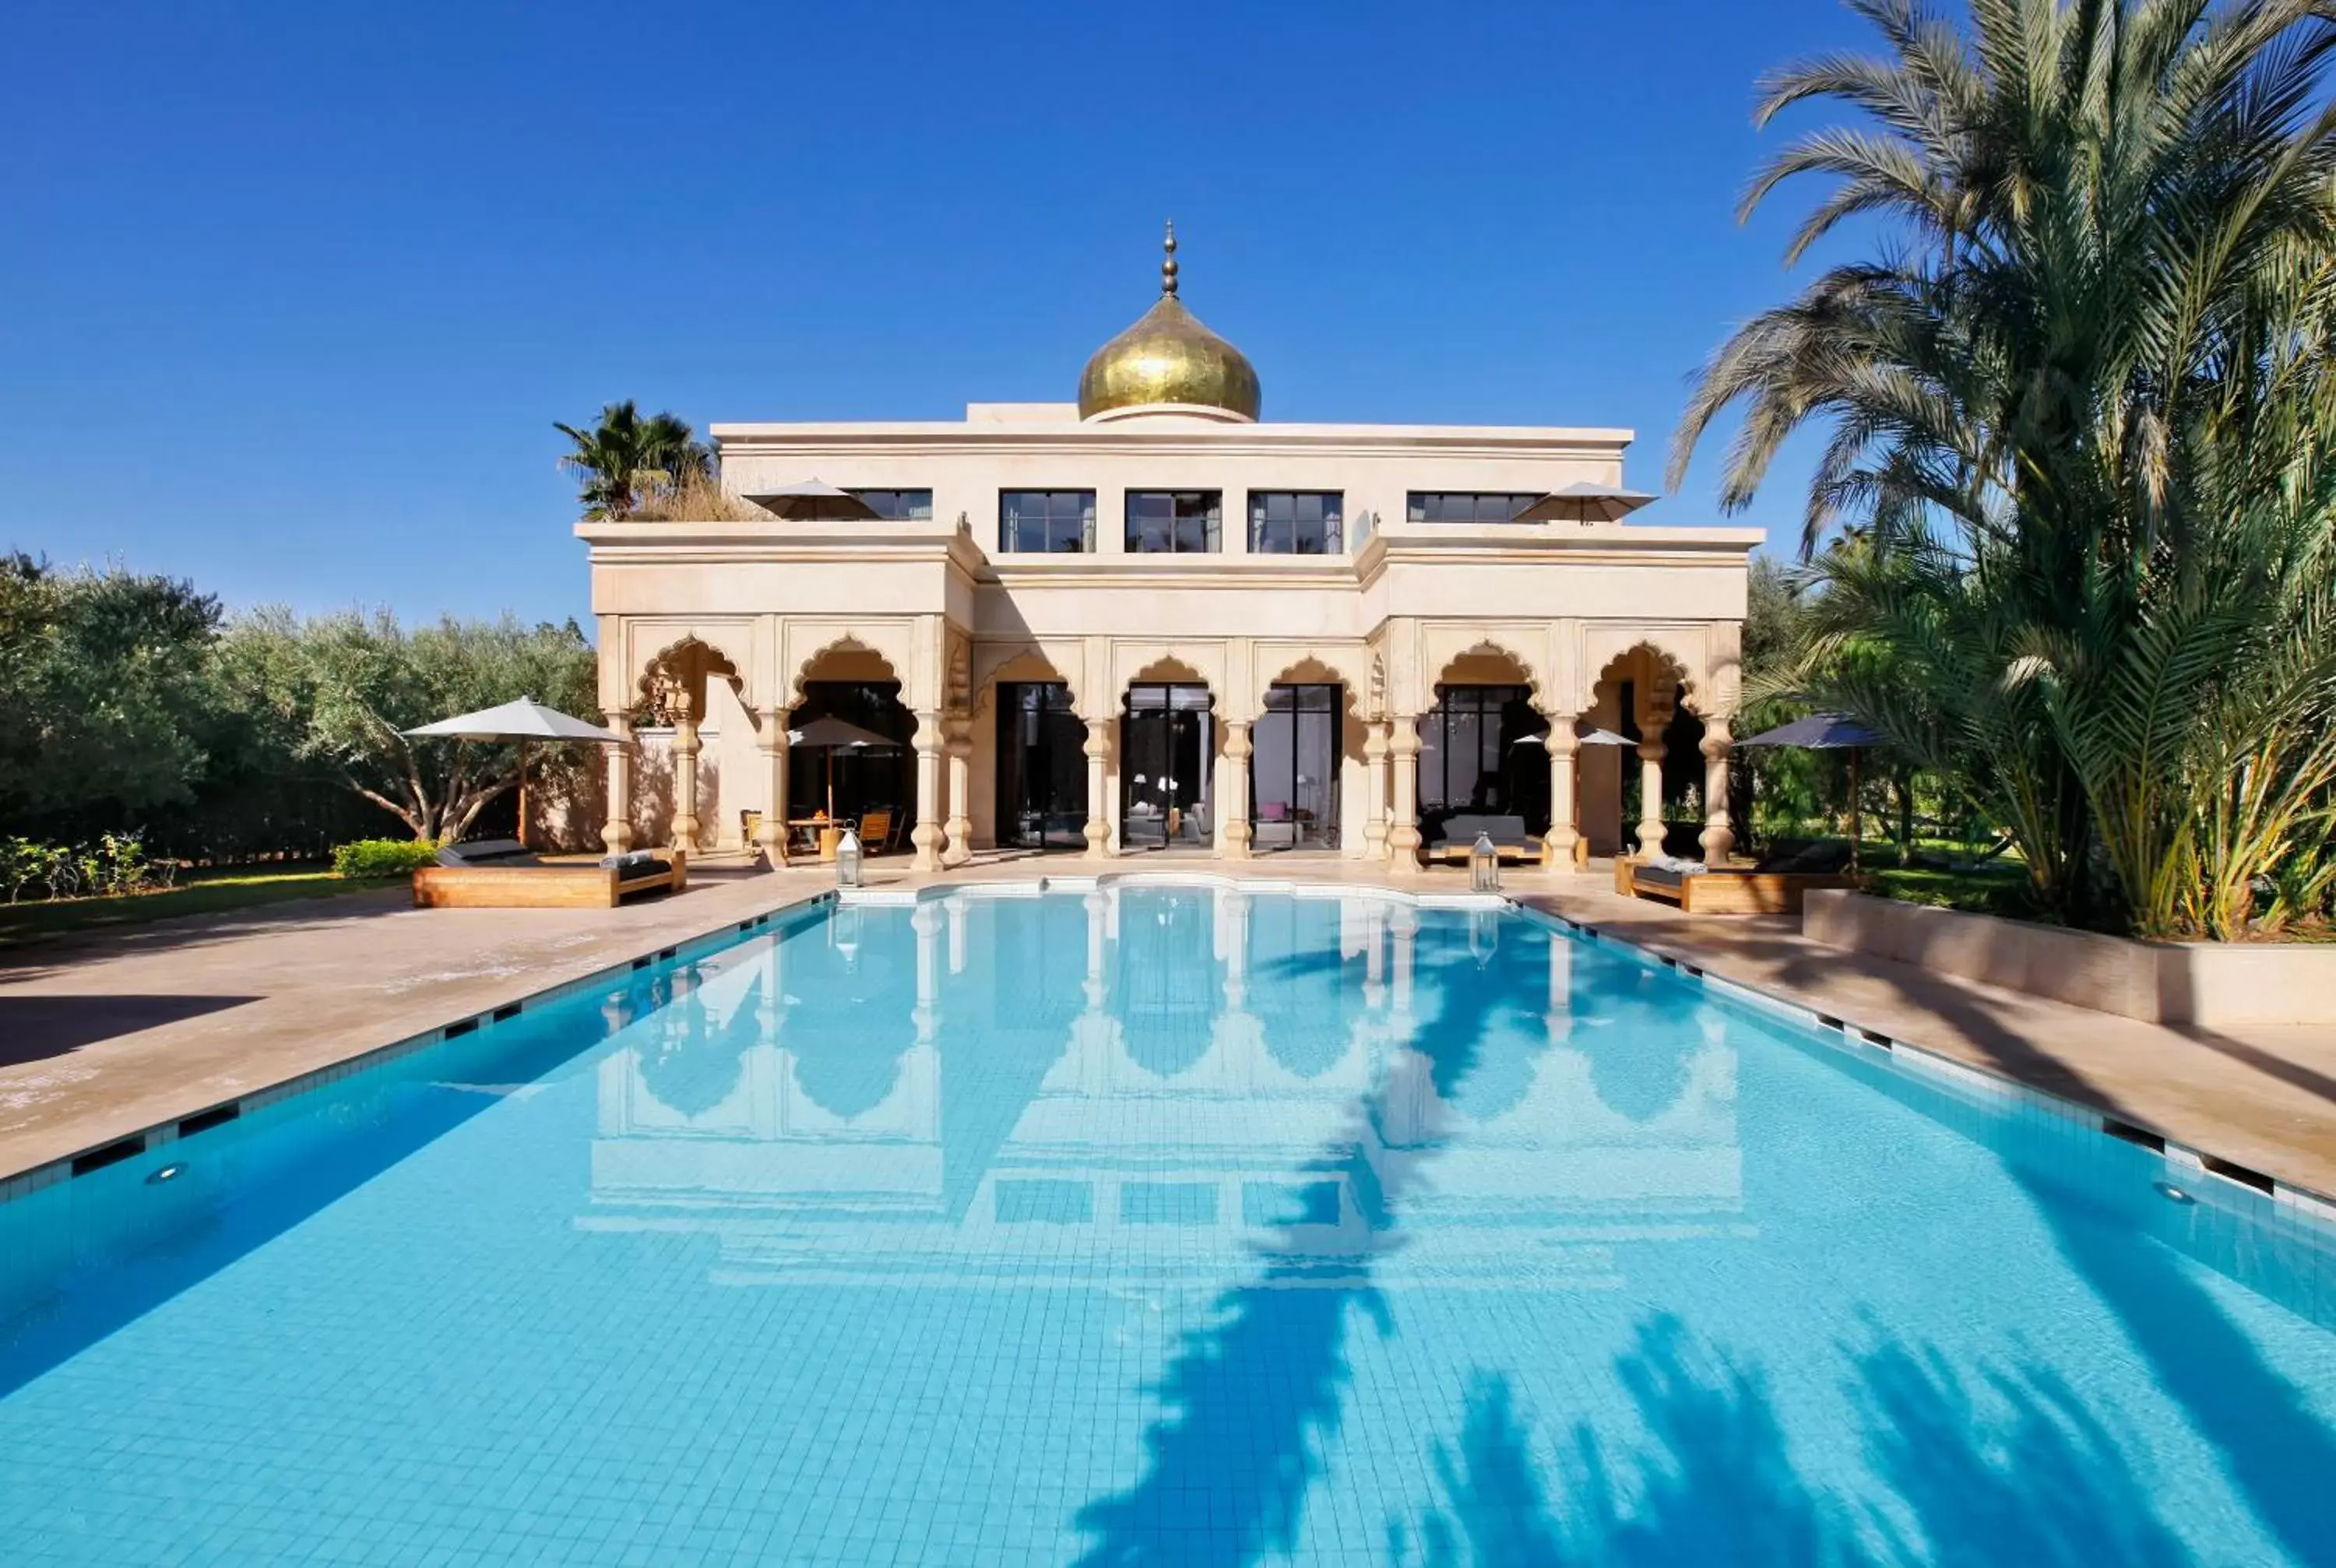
(695, 498)
(382, 857)
(116, 863)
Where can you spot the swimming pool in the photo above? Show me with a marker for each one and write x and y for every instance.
(1152, 1223)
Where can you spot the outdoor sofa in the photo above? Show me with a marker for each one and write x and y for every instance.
(1772, 886)
(1457, 836)
(504, 874)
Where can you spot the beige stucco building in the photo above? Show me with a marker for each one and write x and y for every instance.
(1151, 620)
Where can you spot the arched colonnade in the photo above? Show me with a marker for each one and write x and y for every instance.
(1147, 744)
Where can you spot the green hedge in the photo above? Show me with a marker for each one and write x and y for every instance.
(382, 857)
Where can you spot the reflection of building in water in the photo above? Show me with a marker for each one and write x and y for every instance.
(1150, 1082)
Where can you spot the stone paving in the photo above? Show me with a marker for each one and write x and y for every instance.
(103, 1035)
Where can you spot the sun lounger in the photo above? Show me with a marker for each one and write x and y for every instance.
(1731, 889)
(502, 874)
(1457, 836)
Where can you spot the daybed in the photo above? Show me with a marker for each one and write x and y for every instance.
(1742, 889)
(1457, 836)
(502, 874)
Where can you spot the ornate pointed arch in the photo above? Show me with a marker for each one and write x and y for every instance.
(1170, 667)
(1479, 659)
(1311, 668)
(1668, 665)
(687, 662)
(1029, 661)
(864, 656)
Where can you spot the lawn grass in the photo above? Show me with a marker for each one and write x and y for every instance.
(1996, 889)
(239, 889)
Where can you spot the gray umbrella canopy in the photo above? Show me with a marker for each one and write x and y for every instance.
(813, 501)
(1819, 732)
(1595, 738)
(526, 719)
(1585, 502)
(1828, 732)
(836, 732)
(522, 721)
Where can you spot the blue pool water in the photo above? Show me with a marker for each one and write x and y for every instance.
(1159, 1224)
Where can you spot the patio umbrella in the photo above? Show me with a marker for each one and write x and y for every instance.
(1828, 732)
(835, 735)
(813, 501)
(1595, 738)
(522, 721)
(1585, 503)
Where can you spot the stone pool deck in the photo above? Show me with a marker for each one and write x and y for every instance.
(105, 1034)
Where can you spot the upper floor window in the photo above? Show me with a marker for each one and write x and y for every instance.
(899, 506)
(1296, 522)
(1049, 521)
(1465, 506)
(1175, 522)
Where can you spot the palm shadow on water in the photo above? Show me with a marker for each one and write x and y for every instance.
(1960, 1464)
(2009, 1466)
(1253, 1398)
(2277, 1451)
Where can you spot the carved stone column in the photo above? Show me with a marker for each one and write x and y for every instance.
(958, 847)
(926, 838)
(1564, 807)
(1234, 807)
(1718, 834)
(1375, 790)
(925, 922)
(1403, 813)
(772, 834)
(686, 747)
(617, 832)
(1098, 750)
(1651, 795)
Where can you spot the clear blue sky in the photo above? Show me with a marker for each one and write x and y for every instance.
(290, 293)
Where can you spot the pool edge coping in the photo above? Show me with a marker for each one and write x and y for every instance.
(140, 1141)
(1918, 1061)
(1943, 1070)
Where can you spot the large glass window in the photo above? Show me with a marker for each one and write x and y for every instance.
(1296, 522)
(1042, 768)
(1465, 506)
(1475, 756)
(1174, 521)
(1167, 748)
(1294, 769)
(899, 506)
(1047, 522)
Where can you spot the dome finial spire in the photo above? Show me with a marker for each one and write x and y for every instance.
(1168, 264)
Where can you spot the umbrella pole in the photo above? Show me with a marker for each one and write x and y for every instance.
(1856, 819)
(522, 794)
(831, 784)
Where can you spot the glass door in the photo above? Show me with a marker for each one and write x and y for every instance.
(1168, 749)
(1042, 770)
(1294, 769)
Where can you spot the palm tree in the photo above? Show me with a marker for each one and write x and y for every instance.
(2101, 306)
(625, 454)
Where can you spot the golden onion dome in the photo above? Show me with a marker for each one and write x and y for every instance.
(1168, 357)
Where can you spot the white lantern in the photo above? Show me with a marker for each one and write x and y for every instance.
(1483, 866)
(847, 859)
